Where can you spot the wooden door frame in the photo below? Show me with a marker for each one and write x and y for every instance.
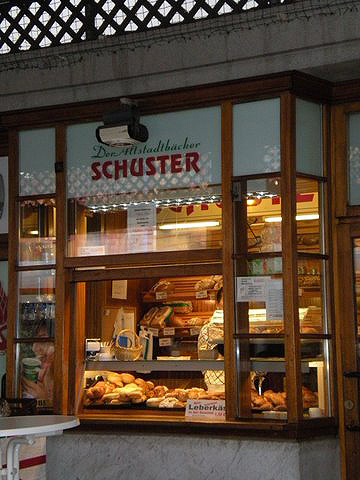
(348, 388)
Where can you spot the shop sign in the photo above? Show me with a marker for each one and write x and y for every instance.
(183, 150)
(205, 410)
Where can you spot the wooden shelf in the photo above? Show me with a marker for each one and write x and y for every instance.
(156, 365)
(261, 364)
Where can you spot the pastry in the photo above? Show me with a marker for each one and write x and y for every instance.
(170, 402)
(154, 402)
(160, 390)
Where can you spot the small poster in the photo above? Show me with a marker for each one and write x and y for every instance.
(251, 289)
(119, 289)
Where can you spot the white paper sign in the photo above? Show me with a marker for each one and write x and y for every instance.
(274, 300)
(251, 289)
(90, 250)
(201, 294)
(165, 342)
(169, 331)
(205, 410)
(142, 216)
(154, 331)
(119, 289)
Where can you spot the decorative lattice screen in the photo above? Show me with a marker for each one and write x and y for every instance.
(26, 25)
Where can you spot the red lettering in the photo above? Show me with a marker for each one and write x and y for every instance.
(176, 163)
(191, 160)
(94, 168)
(162, 159)
(140, 171)
(105, 169)
(149, 163)
(120, 166)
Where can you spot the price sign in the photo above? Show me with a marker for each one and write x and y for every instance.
(205, 409)
(194, 331)
(201, 294)
(161, 295)
(154, 331)
(169, 331)
(165, 342)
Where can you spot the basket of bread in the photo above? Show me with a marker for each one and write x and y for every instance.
(127, 346)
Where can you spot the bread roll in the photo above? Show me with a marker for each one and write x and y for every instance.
(154, 402)
(140, 399)
(115, 378)
(148, 317)
(142, 384)
(127, 378)
(110, 396)
(150, 385)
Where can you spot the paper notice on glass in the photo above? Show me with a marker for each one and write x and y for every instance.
(274, 300)
(141, 216)
(141, 223)
(119, 289)
(251, 289)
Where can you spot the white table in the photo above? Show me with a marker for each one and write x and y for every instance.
(24, 430)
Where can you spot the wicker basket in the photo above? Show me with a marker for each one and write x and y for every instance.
(130, 353)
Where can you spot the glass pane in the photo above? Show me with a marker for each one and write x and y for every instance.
(315, 382)
(180, 325)
(308, 137)
(264, 215)
(308, 224)
(36, 371)
(256, 133)
(354, 158)
(36, 314)
(155, 222)
(37, 232)
(260, 304)
(311, 302)
(268, 381)
(36, 161)
(161, 195)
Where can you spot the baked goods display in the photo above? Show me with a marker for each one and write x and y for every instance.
(157, 317)
(276, 401)
(215, 282)
(125, 389)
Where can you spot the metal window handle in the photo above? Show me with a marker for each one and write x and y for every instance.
(352, 374)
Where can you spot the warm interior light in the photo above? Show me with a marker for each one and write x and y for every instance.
(34, 232)
(307, 216)
(252, 202)
(174, 226)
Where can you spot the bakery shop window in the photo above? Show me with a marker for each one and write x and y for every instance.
(158, 196)
(151, 343)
